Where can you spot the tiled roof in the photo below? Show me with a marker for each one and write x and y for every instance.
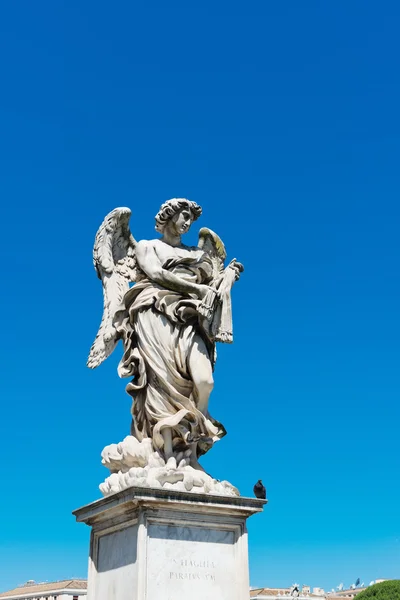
(268, 592)
(344, 593)
(72, 584)
(260, 592)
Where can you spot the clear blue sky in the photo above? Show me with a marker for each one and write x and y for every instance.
(282, 120)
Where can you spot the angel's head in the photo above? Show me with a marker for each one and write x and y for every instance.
(178, 212)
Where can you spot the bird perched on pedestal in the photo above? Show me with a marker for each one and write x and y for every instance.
(259, 490)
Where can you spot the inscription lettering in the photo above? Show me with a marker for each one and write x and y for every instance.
(197, 564)
(191, 576)
(203, 574)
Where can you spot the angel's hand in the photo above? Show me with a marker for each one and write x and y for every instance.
(237, 267)
(237, 273)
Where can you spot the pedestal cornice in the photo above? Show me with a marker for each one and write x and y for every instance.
(130, 500)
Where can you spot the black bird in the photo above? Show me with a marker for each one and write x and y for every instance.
(259, 490)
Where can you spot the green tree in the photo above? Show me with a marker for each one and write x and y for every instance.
(386, 590)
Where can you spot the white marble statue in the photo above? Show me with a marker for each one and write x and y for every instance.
(169, 322)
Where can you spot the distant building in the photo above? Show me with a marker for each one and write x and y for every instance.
(350, 593)
(281, 593)
(76, 589)
(305, 594)
(261, 593)
(68, 589)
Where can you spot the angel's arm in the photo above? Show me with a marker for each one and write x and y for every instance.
(150, 264)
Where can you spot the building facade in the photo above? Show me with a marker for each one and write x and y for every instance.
(68, 589)
(317, 593)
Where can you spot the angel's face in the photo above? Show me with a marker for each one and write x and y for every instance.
(182, 221)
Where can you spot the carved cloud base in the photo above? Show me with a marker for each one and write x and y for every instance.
(166, 545)
(135, 464)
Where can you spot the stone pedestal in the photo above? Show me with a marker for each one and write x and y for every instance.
(156, 544)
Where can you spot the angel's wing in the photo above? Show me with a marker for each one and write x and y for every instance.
(115, 263)
(211, 243)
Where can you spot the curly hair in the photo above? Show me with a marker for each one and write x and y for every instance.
(173, 206)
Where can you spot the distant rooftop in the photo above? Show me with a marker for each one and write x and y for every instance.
(346, 593)
(264, 592)
(268, 591)
(317, 593)
(32, 588)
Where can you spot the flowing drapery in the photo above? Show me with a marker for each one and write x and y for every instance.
(159, 328)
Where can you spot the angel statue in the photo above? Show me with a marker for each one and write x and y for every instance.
(169, 322)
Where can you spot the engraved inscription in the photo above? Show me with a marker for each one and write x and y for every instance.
(205, 564)
(200, 570)
(191, 576)
(196, 562)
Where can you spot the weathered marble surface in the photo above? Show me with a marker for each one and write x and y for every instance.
(167, 545)
(116, 567)
(191, 562)
(169, 322)
(136, 464)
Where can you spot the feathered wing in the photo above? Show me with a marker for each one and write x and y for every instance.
(114, 259)
(211, 243)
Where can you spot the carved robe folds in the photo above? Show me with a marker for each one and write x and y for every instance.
(159, 328)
